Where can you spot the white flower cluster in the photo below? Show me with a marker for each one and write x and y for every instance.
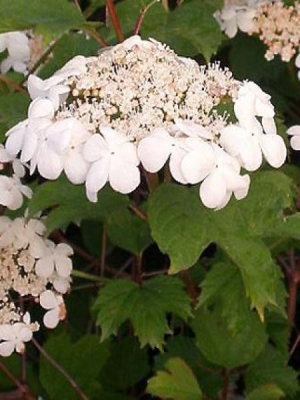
(23, 50)
(32, 267)
(276, 24)
(136, 106)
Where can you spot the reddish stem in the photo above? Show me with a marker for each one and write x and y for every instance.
(60, 369)
(115, 20)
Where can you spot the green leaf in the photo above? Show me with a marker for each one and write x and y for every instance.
(82, 360)
(186, 349)
(223, 287)
(238, 229)
(68, 203)
(145, 306)
(41, 15)
(224, 347)
(13, 109)
(127, 365)
(271, 368)
(266, 392)
(128, 231)
(177, 382)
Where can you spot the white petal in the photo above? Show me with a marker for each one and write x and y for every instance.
(274, 149)
(112, 137)
(295, 142)
(61, 285)
(63, 266)
(244, 109)
(154, 150)
(51, 318)
(45, 266)
(98, 175)
(29, 147)
(76, 168)
(245, 20)
(294, 130)
(64, 249)
(197, 164)
(269, 126)
(6, 349)
(175, 165)
(41, 108)
(15, 138)
(242, 192)
(124, 177)
(49, 164)
(213, 190)
(191, 129)
(95, 148)
(24, 332)
(6, 332)
(48, 300)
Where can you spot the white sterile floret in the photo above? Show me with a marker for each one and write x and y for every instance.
(155, 149)
(114, 160)
(17, 45)
(250, 139)
(67, 138)
(56, 259)
(54, 87)
(12, 192)
(235, 17)
(56, 308)
(13, 336)
(218, 171)
(294, 131)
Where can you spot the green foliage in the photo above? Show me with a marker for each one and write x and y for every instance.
(40, 15)
(224, 314)
(126, 366)
(59, 194)
(211, 329)
(82, 360)
(271, 368)
(237, 229)
(144, 305)
(176, 383)
(266, 392)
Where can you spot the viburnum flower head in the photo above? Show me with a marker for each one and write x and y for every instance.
(138, 107)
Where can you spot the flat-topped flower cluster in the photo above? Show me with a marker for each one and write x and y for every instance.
(34, 269)
(275, 23)
(137, 106)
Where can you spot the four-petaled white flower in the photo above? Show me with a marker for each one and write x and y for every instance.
(56, 308)
(13, 336)
(17, 45)
(56, 259)
(155, 149)
(234, 17)
(114, 159)
(250, 139)
(219, 173)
